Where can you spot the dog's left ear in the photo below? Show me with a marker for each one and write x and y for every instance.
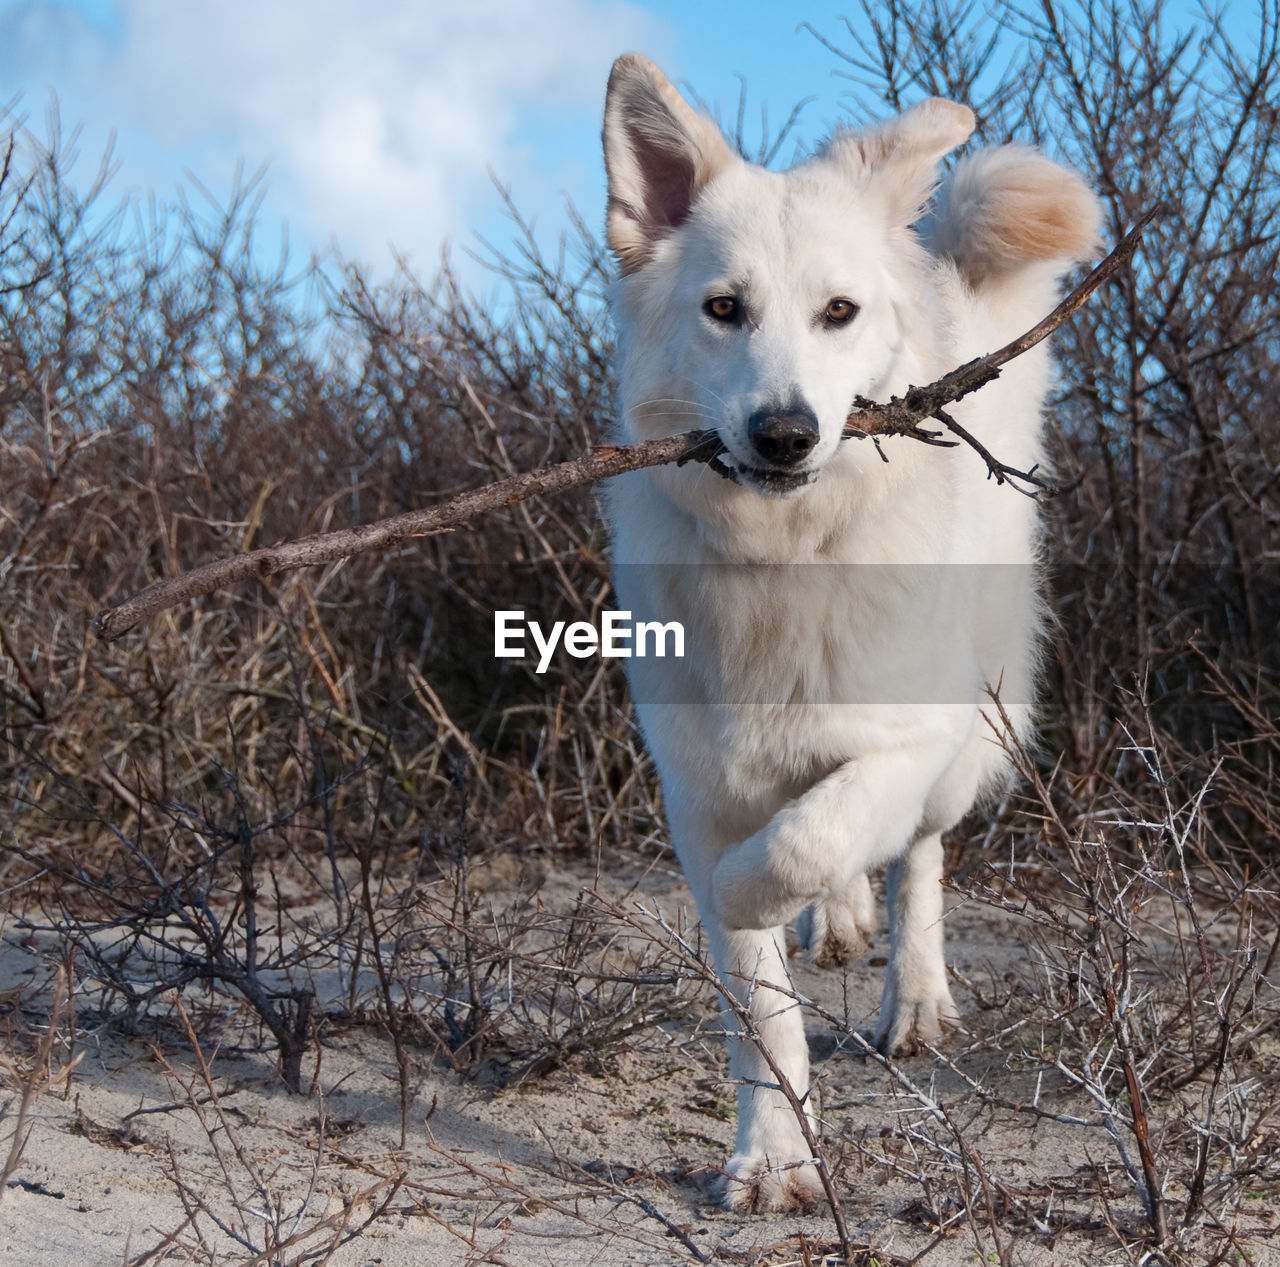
(902, 154)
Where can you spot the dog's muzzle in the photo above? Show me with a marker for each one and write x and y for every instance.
(782, 439)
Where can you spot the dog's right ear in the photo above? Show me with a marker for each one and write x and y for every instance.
(902, 154)
(659, 154)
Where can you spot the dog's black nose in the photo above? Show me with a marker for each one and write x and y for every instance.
(783, 439)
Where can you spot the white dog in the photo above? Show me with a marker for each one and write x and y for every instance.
(844, 615)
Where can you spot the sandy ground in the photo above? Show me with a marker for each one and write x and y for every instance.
(135, 1158)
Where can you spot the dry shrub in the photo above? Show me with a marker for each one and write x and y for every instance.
(168, 395)
(168, 399)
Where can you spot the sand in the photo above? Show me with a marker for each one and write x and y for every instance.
(609, 1158)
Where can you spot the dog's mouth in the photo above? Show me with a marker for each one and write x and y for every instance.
(767, 481)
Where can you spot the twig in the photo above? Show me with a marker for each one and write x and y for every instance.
(36, 1080)
(325, 547)
(903, 415)
(566, 1206)
(899, 416)
(1196, 1195)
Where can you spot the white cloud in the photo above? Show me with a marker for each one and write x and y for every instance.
(380, 118)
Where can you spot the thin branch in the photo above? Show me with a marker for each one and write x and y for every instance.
(903, 414)
(325, 547)
(899, 416)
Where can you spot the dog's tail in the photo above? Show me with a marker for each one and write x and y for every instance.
(1008, 210)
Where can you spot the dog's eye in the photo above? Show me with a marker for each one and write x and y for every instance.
(840, 312)
(721, 308)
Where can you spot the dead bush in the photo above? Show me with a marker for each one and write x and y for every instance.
(291, 795)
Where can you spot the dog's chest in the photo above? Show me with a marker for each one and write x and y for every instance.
(788, 666)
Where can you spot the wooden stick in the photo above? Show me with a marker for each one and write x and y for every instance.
(903, 414)
(899, 416)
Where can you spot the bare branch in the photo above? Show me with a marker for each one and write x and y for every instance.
(899, 416)
(903, 415)
(324, 547)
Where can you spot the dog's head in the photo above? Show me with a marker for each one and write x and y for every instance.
(758, 303)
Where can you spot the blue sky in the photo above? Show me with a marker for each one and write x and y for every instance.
(379, 121)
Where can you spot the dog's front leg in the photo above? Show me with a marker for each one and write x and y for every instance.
(772, 1166)
(860, 816)
(864, 814)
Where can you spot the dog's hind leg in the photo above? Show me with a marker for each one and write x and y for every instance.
(917, 1007)
(835, 930)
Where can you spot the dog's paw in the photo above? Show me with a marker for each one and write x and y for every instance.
(756, 1185)
(836, 931)
(910, 1025)
(830, 935)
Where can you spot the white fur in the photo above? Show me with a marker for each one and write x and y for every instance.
(841, 624)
